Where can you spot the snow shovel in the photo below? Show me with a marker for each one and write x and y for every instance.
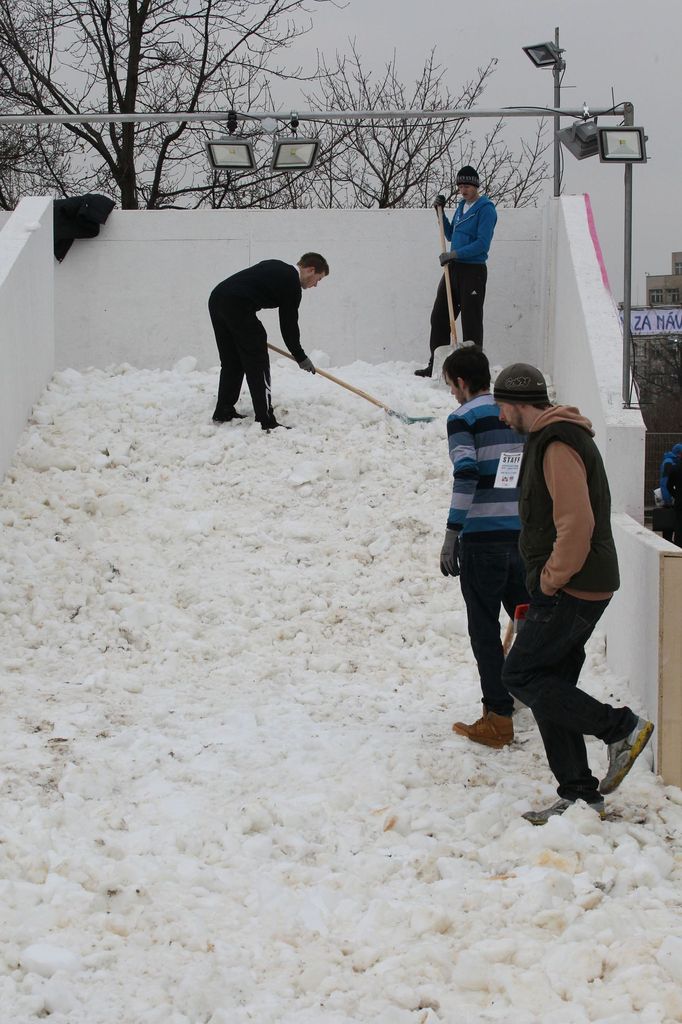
(443, 351)
(363, 394)
(513, 626)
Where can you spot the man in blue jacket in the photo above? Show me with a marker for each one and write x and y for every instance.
(669, 460)
(674, 489)
(470, 233)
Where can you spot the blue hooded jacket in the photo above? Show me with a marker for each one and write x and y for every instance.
(669, 460)
(470, 233)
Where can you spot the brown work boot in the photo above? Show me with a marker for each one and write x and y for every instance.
(492, 730)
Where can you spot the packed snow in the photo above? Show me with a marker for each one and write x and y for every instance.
(230, 789)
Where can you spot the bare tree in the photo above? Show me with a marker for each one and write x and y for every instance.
(134, 56)
(32, 161)
(28, 156)
(657, 372)
(405, 162)
(111, 56)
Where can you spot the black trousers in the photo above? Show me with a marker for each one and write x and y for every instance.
(542, 670)
(491, 575)
(677, 539)
(242, 345)
(468, 281)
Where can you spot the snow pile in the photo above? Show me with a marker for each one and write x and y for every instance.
(230, 790)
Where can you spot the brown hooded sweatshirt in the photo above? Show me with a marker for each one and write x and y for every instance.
(566, 481)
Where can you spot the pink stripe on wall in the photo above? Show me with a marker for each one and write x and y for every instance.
(595, 242)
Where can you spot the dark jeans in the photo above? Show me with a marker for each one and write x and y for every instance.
(242, 345)
(677, 539)
(491, 575)
(542, 670)
(468, 282)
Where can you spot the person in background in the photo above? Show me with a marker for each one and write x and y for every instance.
(571, 574)
(482, 535)
(470, 233)
(669, 460)
(241, 337)
(675, 490)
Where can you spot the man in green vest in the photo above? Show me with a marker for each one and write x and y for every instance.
(571, 574)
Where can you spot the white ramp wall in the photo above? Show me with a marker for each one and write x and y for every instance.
(138, 292)
(585, 355)
(26, 317)
(585, 358)
(644, 638)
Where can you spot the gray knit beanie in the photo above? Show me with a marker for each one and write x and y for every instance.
(521, 383)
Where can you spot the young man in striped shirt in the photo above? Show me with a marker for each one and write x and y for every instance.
(482, 536)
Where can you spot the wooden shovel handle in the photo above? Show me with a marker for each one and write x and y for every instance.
(446, 272)
(335, 380)
(508, 637)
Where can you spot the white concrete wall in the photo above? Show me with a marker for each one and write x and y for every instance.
(26, 317)
(137, 293)
(585, 355)
(644, 636)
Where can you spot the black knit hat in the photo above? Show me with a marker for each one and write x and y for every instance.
(468, 176)
(521, 383)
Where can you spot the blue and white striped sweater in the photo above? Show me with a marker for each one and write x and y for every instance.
(476, 439)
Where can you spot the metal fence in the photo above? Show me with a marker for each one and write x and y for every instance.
(656, 446)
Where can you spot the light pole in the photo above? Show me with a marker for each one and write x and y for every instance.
(626, 145)
(548, 55)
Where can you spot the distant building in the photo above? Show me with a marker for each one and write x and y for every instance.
(656, 333)
(666, 289)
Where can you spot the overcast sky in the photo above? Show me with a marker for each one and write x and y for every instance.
(634, 49)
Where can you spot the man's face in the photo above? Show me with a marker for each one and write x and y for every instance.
(456, 388)
(512, 415)
(469, 193)
(310, 278)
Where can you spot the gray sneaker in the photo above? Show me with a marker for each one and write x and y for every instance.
(542, 817)
(624, 753)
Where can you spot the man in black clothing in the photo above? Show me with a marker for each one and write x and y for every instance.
(241, 337)
(571, 574)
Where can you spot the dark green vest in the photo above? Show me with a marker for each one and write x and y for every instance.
(600, 571)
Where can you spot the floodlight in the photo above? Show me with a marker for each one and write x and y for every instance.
(622, 145)
(544, 55)
(231, 153)
(580, 139)
(294, 154)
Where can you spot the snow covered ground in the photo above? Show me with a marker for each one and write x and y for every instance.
(230, 790)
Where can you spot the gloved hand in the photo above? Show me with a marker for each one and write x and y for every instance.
(449, 553)
(446, 257)
(439, 202)
(306, 364)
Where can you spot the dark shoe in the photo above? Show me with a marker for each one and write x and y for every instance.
(271, 424)
(426, 372)
(491, 730)
(231, 414)
(542, 817)
(624, 753)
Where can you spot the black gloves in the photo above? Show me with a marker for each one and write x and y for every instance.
(449, 553)
(439, 202)
(446, 257)
(306, 364)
